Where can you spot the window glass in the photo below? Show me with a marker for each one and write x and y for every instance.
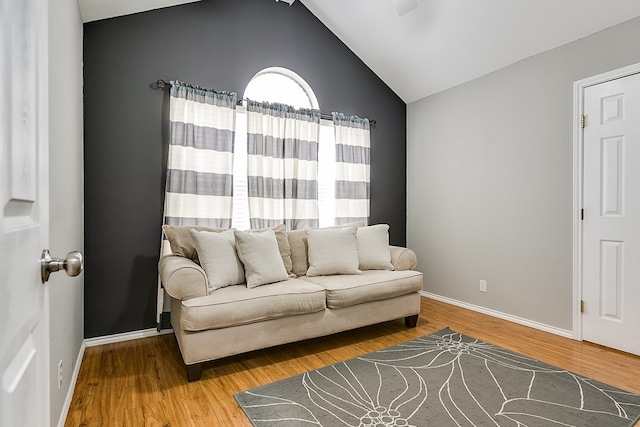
(240, 216)
(326, 175)
(272, 86)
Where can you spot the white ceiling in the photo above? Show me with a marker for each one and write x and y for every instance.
(441, 43)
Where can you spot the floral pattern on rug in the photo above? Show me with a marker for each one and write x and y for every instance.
(442, 379)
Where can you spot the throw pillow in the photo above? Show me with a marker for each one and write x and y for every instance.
(283, 246)
(332, 251)
(373, 247)
(218, 258)
(261, 258)
(299, 248)
(181, 241)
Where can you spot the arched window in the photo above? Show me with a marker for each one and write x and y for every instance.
(276, 84)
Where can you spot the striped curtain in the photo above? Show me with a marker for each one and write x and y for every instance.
(200, 163)
(282, 166)
(352, 168)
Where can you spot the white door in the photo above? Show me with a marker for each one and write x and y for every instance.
(24, 340)
(611, 227)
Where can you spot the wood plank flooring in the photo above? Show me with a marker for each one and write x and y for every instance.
(143, 382)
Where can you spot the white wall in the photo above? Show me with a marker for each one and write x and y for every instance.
(489, 168)
(66, 191)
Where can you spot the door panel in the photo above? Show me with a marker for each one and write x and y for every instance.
(24, 375)
(611, 227)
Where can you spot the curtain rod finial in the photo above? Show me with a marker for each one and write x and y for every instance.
(159, 84)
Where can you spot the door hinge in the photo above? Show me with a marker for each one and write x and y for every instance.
(582, 121)
(581, 214)
(581, 306)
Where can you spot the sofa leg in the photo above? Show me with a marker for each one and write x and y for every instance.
(411, 321)
(194, 372)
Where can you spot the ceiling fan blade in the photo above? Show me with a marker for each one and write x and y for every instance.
(404, 6)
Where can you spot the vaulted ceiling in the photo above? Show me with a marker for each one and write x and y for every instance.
(441, 43)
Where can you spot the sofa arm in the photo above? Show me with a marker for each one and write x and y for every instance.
(182, 278)
(403, 258)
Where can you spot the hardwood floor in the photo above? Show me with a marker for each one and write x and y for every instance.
(143, 382)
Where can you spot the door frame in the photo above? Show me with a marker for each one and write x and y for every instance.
(578, 180)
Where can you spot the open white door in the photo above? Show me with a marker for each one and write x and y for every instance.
(611, 226)
(24, 340)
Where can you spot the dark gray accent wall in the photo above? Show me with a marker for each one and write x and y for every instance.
(217, 44)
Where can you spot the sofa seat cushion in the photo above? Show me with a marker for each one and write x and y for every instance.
(372, 285)
(238, 305)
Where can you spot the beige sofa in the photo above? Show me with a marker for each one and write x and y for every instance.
(211, 323)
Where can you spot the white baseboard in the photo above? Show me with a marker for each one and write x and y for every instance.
(126, 336)
(72, 387)
(515, 319)
(92, 342)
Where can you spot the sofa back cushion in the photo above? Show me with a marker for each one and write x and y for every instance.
(298, 244)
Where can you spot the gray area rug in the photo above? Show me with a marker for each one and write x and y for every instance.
(443, 379)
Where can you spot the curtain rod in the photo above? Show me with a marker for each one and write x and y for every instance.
(161, 84)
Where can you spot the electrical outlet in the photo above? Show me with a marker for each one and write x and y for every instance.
(483, 286)
(59, 375)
